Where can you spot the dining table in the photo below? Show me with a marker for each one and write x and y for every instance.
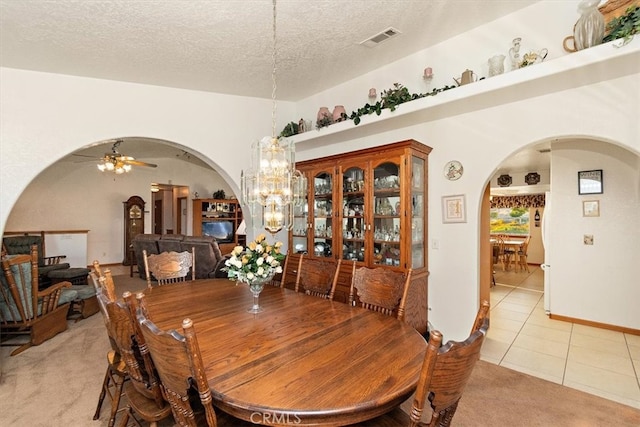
(303, 360)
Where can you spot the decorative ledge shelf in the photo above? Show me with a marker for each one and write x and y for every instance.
(588, 66)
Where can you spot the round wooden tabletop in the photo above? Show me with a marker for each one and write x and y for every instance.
(302, 361)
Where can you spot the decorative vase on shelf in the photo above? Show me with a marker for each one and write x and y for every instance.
(323, 114)
(514, 53)
(496, 65)
(589, 30)
(338, 111)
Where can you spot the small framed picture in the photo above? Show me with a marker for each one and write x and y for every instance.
(590, 208)
(454, 209)
(590, 182)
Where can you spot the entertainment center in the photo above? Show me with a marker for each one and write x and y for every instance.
(219, 218)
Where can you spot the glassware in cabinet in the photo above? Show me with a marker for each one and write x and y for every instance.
(353, 214)
(322, 220)
(387, 214)
(299, 231)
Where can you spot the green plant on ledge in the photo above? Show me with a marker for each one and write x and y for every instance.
(290, 129)
(390, 99)
(324, 122)
(625, 26)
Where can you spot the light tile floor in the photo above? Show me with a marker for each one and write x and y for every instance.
(521, 337)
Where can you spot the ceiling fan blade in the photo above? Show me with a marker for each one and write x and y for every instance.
(83, 155)
(138, 163)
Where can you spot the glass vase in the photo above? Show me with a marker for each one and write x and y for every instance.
(589, 30)
(256, 286)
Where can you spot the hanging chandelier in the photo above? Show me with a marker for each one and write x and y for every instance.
(272, 185)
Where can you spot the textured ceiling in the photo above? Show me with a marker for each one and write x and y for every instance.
(225, 45)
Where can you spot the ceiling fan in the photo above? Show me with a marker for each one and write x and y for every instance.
(119, 163)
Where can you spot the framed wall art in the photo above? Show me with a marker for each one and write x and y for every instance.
(454, 209)
(591, 208)
(590, 182)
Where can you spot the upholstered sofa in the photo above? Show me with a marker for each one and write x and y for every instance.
(209, 258)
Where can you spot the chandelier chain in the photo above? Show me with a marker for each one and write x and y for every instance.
(273, 76)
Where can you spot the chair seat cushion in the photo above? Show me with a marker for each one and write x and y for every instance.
(67, 295)
(84, 291)
(77, 276)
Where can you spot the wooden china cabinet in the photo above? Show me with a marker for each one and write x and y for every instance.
(369, 207)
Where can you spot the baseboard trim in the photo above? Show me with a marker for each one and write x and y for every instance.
(595, 324)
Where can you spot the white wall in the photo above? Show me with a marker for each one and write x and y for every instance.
(45, 116)
(602, 278)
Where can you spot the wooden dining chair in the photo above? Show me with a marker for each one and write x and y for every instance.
(504, 254)
(177, 359)
(446, 369)
(291, 271)
(116, 373)
(318, 277)
(142, 390)
(170, 267)
(521, 255)
(380, 289)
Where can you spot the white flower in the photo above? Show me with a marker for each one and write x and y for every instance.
(270, 260)
(278, 269)
(259, 261)
(260, 272)
(250, 276)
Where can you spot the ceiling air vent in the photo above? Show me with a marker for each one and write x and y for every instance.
(544, 150)
(380, 37)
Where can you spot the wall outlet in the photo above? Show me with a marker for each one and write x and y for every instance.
(588, 239)
(435, 244)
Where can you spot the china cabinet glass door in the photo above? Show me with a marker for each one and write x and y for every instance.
(299, 231)
(322, 224)
(387, 213)
(353, 214)
(418, 212)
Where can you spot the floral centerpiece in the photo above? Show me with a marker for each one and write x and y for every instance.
(259, 261)
(256, 264)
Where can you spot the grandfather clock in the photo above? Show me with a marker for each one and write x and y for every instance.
(133, 225)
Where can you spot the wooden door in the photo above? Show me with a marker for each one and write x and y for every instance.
(158, 218)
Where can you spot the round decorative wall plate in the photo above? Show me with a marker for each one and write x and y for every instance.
(504, 180)
(453, 170)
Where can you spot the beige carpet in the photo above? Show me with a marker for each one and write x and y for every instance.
(58, 383)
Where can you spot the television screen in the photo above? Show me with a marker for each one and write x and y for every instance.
(221, 230)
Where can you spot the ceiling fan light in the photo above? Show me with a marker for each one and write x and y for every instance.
(101, 167)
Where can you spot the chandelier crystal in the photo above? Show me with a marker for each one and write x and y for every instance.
(272, 184)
